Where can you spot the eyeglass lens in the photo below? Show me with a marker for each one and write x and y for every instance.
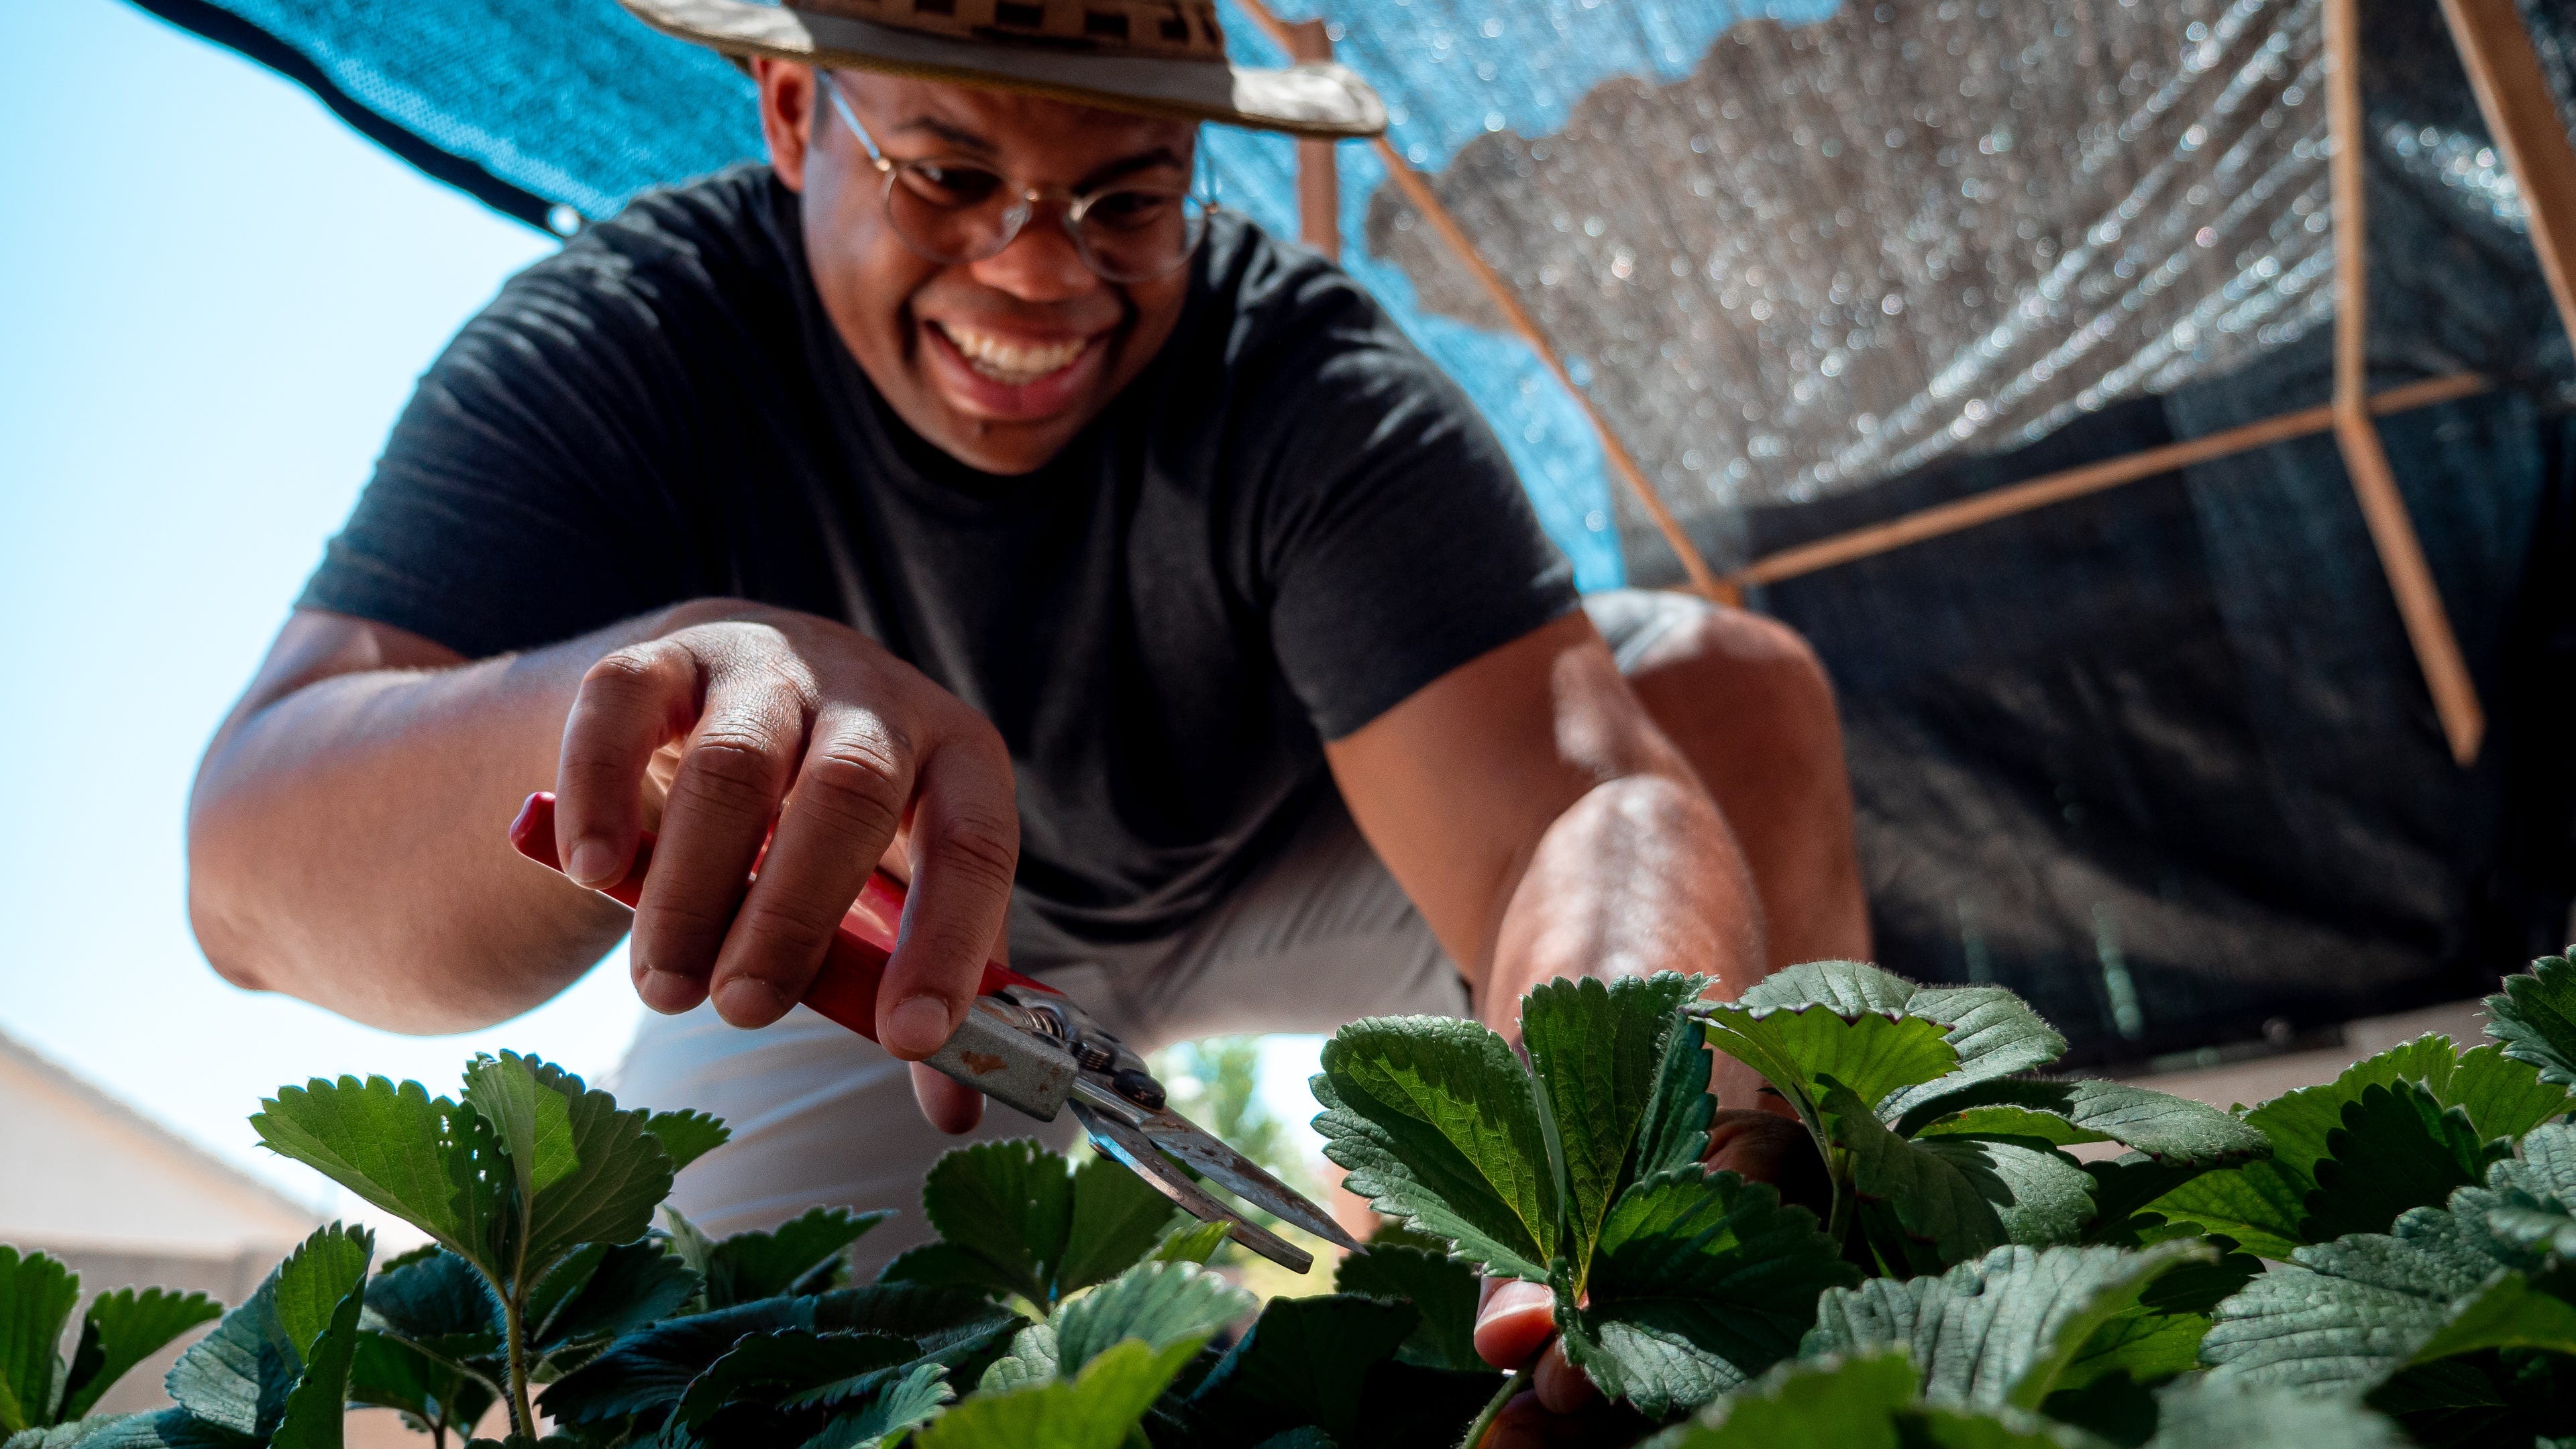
(953, 212)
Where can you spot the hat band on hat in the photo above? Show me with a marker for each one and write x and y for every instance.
(1162, 29)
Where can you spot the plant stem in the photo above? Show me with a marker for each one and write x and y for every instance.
(1512, 1384)
(514, 1314)
(1838, 1226)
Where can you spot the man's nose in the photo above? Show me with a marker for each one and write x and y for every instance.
(1040, 265)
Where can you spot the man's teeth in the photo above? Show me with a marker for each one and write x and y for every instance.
(1011, 362)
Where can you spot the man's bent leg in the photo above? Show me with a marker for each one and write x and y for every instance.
(1749, 705)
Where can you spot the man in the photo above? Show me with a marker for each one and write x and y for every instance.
(954, 493)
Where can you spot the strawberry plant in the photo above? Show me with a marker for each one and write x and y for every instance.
(39, 1386)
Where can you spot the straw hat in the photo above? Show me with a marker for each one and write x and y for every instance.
(1158, 57)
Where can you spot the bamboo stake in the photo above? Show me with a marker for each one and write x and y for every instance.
(2078, 482)
(2374, 484)
(1425, 201)
(2523, 118)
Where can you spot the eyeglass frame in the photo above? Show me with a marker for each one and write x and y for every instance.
(1024, 205)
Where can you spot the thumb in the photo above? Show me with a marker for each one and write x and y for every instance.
(1515, 1320)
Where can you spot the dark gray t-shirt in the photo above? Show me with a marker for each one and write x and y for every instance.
(1289, 522)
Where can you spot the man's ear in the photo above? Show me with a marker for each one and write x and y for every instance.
(789, 95)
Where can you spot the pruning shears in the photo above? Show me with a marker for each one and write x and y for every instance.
(1029, 1045)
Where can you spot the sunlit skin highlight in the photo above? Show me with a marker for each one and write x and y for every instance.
(1000, 362)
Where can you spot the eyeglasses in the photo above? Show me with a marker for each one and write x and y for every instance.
(953, 211)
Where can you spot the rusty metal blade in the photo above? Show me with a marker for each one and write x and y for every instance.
(1138, 1153)
(1207, 1154)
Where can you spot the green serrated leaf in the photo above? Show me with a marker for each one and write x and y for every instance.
(1118, 1217)
(1595, 1048)
(437, 1301)
(1097, 1409)
(1961, 1195)
(632, 1285)
(2397, 1148)
(1008, 1203)
(907, 1404)
(1442, 1290)
(2003, 1331)
(585, 1172)
(2534, 1230)
(301, 1325)
(650, 1369)
(122, 1329)
(1675, 1132)
(948, 1265)
(1158, 1302)
(1031, 1360)
(1830, 1403)
(1439, 1126)
(947, 1326)
(1189, 1241)
(388, 1373)
(1702, 1282)
(1798, 1049)
(687, 1136)
(2167, 1128)
(37, 1294)
(1305, 1361)
(797, 1256)
(2206, 1412)
(772, 1365)
(1994, 1033)
(2534, 1020)
(395, 1146)
(167, 1429)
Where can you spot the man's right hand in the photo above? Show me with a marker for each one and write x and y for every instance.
(766, 714)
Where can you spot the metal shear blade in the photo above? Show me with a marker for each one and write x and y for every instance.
(1137, 1152)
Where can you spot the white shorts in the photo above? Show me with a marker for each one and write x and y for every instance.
(1318, 935)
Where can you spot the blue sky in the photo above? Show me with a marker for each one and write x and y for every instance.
(213, 299)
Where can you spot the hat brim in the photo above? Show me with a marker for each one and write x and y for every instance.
(1315, 99)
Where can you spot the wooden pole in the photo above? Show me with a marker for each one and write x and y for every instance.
(2523, 118)
(1319, 186)
(2374, 484)
(2110, 473)
(1424, 200)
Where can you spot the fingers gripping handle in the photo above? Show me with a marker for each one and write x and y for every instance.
(845, 990)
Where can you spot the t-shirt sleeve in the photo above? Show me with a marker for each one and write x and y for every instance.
(523, 497)
(1397, 543)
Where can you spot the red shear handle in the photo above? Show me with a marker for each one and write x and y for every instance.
(845, 990)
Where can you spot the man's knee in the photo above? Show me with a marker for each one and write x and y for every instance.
(1735, 674)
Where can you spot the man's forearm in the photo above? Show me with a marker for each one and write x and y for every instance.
(345, 837)
(1639, 875)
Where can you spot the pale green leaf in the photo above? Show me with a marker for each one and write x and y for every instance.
(1095, 1410)
(1994, 1033)
(1595, 1048)
(1961, 1195)
(2003, 1331)
(2213, 1412)
(316, 1409)
(1831, 1403)
(122, 1329)
(1702, 1282)
(1118, 1217)
(1439, 1126)
(906, 1404)
(1158, 1302)
(243, 1377)
(1799, 1049)
(1441, 1289)
(2534, 1020)
(166, 1429)
(687, 1136)
(1031, 1360)
(2167, 1128)
(395, 1146)
(1189, 1241)
(585, 1172)
(37, 1294)
(2534, 1230)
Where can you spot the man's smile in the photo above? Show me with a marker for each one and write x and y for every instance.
(1011, 377)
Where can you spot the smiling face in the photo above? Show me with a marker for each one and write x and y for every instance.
(999, 362)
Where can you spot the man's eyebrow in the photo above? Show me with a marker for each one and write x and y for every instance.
(964, 140)
(1141, 161)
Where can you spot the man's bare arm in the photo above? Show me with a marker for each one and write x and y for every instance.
(346, 835)
(1546, 828)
